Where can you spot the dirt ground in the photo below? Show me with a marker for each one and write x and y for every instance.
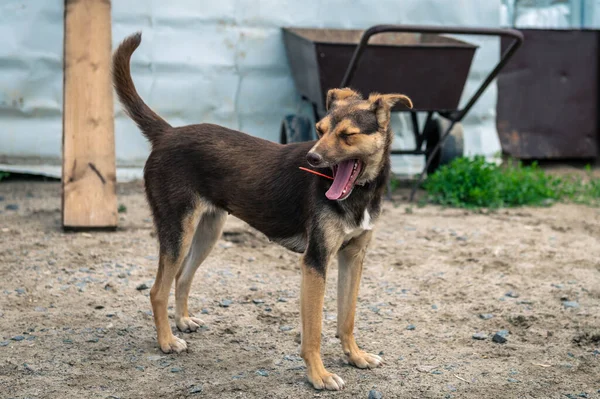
(75, 318)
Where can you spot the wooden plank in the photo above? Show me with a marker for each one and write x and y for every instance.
(89, 172)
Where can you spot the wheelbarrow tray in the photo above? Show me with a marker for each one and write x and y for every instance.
(430, 68)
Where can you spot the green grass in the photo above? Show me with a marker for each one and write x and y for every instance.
(476, 183)
(3, 175)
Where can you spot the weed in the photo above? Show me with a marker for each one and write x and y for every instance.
(476, 183)
(122, 209)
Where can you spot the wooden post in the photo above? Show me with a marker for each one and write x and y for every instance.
(89, 171)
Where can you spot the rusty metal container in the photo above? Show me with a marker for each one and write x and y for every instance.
(430, 68)
(548, 96)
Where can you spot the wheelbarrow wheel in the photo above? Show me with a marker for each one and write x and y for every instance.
(295, 129)
(452, 148)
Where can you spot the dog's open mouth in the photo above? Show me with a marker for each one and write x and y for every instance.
(344, 177)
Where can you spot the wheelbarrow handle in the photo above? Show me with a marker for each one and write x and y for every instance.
(457, 115)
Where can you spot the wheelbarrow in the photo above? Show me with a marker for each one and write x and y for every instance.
(418, 61)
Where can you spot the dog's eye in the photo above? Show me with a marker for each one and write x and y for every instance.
(346, 134)
(319, 131)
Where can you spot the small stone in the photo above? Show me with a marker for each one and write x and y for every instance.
(511, 294)
(195, 389)
(583, 395)
(253, 288)
(142, 287)
(67, 341)
(225, 303)
(251, 259)
(93, 340)
(500, 336)
(258, 301)
(434, 307)
(486, 316)
(20, 291)
(18, 338)
(373, 394)
(51, 262)
(140, 368)
(570, 304)
(4, 343)
(281, 299)
(176, 369)
(40, 309)
(525, 302)
(411, 327)
(285, 328)
(374, 309)
(559, 286)
(480, 336)
(12, 207)
(437, 372)
(268, 309)
(512, 380)
(204, 311)
(262, 373)
(122, 275)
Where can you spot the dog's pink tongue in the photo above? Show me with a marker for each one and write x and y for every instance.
(342, 177)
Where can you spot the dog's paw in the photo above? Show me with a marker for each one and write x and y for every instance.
(364, 360)
(327, 380)
(173, 344)
(189, 324)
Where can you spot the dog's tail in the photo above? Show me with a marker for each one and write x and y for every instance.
(147, 120)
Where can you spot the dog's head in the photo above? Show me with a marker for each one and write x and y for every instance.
(354, 138)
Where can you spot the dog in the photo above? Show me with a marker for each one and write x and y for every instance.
(198, 174)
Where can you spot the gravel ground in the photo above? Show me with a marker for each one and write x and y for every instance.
(460, 304)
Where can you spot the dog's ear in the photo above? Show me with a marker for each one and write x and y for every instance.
(335, 95)
(382, 104)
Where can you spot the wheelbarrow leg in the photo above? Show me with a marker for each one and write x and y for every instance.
(430, 159)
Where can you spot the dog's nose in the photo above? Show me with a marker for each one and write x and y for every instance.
(314, 159)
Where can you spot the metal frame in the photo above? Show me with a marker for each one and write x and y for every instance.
(454, 116)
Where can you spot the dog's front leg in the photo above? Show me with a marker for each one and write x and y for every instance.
(312, 292)
(350, 261)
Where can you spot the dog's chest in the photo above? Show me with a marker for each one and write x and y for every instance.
(351, 231)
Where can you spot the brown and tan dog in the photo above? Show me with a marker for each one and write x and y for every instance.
(196, 175)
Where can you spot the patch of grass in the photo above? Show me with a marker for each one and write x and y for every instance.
(476, 183)
(394, 182)
(122, 209)
(4, 175)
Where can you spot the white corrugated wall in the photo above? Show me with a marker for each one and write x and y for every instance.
(207, 61)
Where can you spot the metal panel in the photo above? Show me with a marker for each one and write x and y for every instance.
(548, 96)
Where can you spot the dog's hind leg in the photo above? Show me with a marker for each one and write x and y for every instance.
(176, 239)
(206, 235)
(350, 261)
